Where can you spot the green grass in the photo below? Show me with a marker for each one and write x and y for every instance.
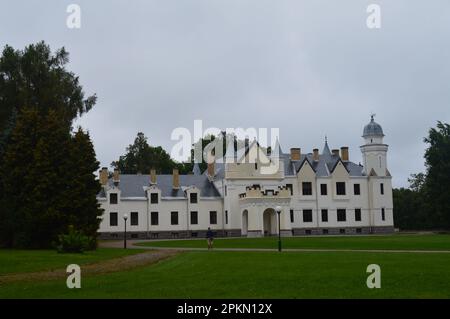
(260, 275)
(390, 242)
(17, 261)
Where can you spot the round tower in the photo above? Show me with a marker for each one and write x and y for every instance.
(374, 151)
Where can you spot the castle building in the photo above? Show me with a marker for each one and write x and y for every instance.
(251, 192)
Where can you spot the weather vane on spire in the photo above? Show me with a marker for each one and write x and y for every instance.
(372, 116)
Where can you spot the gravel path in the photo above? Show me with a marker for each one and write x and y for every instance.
(102, 267)
(132, 245)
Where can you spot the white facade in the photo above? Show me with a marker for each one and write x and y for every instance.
(316, 194)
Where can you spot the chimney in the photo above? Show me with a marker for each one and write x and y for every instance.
(295, 154)
(104, 176)
(211, 170)
(344, 153)
(176, 179)
(211, 167)
(116, 176)
(152, 176)
(335, 152)
(316, 154)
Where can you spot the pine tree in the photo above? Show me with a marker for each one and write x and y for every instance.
(82, 208)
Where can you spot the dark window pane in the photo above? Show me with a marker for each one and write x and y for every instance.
(194, 218)
(134, 219)
(340, 188)
(193, 198)
(113, 198)
(324, 215)
(154, 218)
(213, 217)
(112, 219)
(174, 218)
(358, 214)
(323, 189)
(382, 189)
(356, 189)
(341, 215)
(307, 188)
(291, 212)
(154, 198)
(383, 214)
(307, 215)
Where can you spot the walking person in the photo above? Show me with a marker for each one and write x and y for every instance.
(210, 237)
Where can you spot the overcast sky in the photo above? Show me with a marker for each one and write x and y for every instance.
(311, 68)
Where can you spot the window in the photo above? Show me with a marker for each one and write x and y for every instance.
(134, 218)
(256, 166)
(226, 191)
(340, 188)
(226, 217)
(341, 215)
(307, 188)
(291, 212)
(194, 235)
(323, 189)
(308, 232)
(194, 218)
(342, 231)
(193, 198)
(113, 198)
(382, 189)
(289, 186)
(325, 231)
(174, 218)
(383, 214)
(358, 230)
(307, 215)
(154, 198)
(134, 236)
(112, 219)
(324, 215)
(356, 189)
(213, 217)
(154, 218)
(358, 214)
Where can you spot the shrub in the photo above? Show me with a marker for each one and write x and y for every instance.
(74, 242)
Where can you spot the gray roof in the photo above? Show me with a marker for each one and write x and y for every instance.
(325, 165)
(133, 185)
(373, 129)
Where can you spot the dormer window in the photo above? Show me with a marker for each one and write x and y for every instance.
(154, 198)
(193, 198)
(340, 188)
(307, 188)
(113, 198)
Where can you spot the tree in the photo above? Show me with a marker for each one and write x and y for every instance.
(437, 182)
(40, 191)
(140, 157)
(82, 206)
(34, 179)
(36, 78)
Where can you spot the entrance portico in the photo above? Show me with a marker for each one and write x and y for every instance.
(258, 212)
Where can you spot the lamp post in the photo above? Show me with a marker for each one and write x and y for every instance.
(125, 217)
(278, 210)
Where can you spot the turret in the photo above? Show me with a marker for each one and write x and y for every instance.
(374, 151)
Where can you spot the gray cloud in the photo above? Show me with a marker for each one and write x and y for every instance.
(308, 67)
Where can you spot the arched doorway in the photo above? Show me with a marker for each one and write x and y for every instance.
(244, 223)
(270, 222)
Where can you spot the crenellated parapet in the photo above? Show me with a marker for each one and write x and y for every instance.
(255, 191)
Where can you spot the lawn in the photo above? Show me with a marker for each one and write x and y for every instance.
(260, 275)
(389, 242)
(18, 261)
